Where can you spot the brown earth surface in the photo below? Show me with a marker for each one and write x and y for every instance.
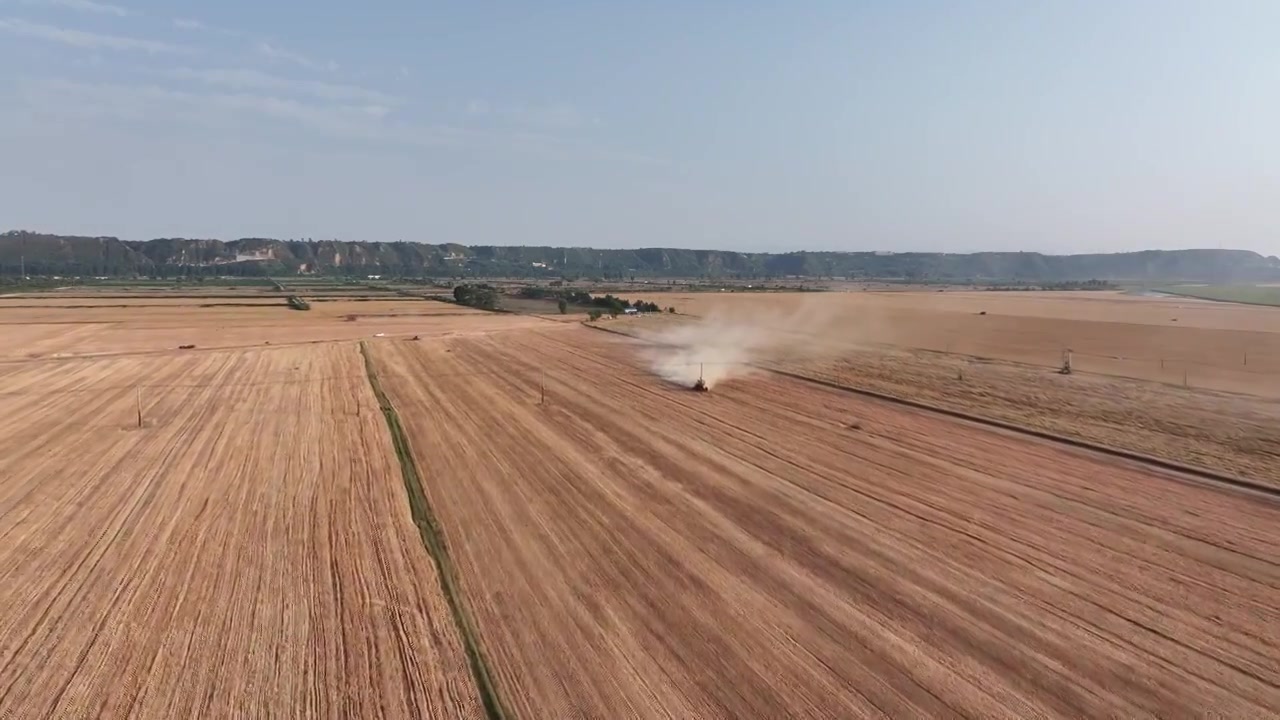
(66, 304)
(1223, 432)
(770, 549)
(176, 291)
(778, 549)
(54, 332)
(248, 553)
(1233, 434)
(1218, 346)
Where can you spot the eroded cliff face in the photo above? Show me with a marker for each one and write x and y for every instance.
(59, 254)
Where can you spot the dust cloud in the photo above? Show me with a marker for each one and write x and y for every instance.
(725, 343)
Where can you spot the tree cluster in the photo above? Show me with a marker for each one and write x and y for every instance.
(605, 303)
(1064, 285)
(481, 296)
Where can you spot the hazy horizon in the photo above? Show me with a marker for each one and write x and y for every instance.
(620, 247)
(848, 126)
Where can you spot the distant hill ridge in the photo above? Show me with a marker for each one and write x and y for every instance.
(42, 254)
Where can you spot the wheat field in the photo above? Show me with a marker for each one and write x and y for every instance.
(247, 552)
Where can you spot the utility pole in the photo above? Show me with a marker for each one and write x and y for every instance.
(139, 406)
(542, 388)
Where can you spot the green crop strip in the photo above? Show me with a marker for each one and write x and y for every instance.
(433, 539)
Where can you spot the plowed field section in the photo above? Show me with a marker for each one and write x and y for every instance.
(631, 549)
(248, 553)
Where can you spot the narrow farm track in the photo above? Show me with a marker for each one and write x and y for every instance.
(249, 552)
(778, 549)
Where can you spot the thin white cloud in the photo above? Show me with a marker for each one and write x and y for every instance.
(242, 79)
(194, 25)
(552, 117)
(83, 39)
(363, 121)
(275, 52)
(236, 111)
(547, 117)
(84, 6)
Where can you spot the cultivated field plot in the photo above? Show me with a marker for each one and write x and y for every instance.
(1250, 294)
(393, 306)
(1233, 434)
(1229, 433)
(776, 549)
(51, 331)
(249, 552)
(1217, 346)
(98, 303)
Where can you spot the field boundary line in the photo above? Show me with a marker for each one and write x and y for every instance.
(1189, 296)
(433, 539)
(1190, 471)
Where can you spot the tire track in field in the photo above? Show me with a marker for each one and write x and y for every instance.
(246, 552)
(1193, 619)
(882, 575)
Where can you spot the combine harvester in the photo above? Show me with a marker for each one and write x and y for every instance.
(700, 385)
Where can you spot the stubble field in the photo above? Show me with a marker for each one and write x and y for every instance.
(627, 548)
(1207, 345)
(247, 552)
(51, 330)
(632, 549)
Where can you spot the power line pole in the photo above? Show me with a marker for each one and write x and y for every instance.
(139, 406)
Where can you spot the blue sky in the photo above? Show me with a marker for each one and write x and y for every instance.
(1051, 126)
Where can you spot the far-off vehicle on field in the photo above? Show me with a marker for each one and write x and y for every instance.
(700, 385)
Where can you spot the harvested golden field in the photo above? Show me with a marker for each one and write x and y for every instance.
(628, 549)
(141, 292)
(1237, 434)
(51, 331)
(778, 549)
(65, 304)
(1234, 434)
(401, 306)
(1100, 306)
(249, 552)
(1218, 346)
